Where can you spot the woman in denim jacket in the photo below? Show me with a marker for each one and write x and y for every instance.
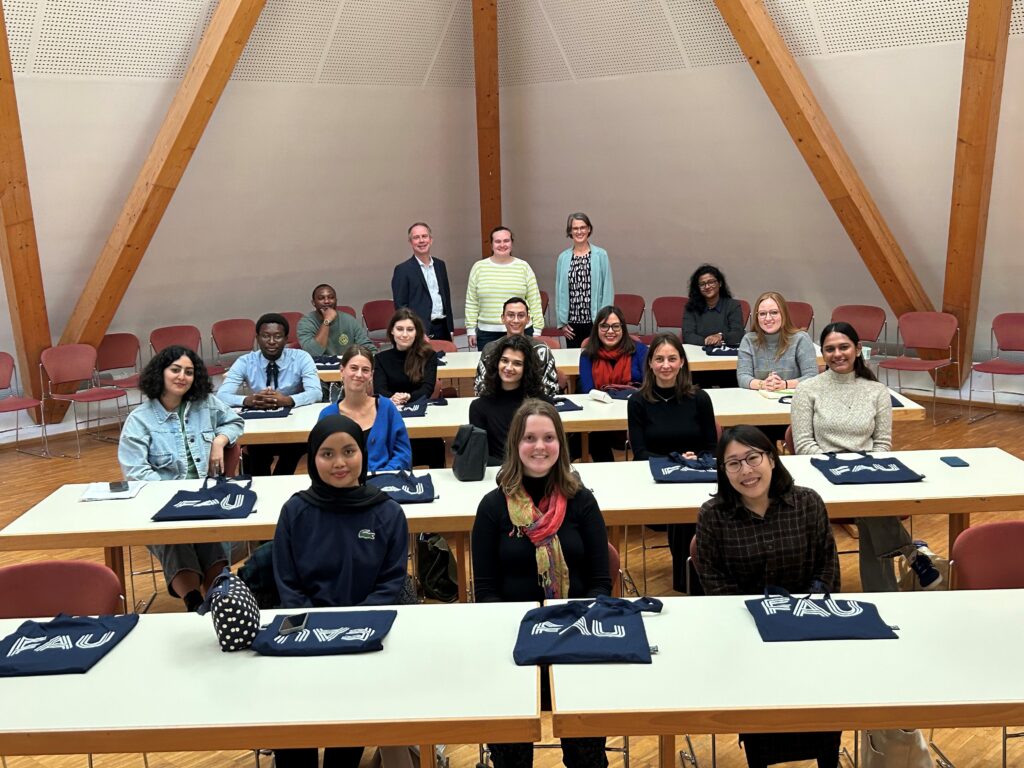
(179, 434)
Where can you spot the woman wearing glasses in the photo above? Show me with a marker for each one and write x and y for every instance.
(610, 359)
(760, 529)
(712, 316)
(583, 282)
(775, 355)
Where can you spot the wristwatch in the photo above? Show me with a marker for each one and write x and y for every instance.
(327, 323)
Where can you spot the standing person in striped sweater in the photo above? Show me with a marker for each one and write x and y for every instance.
(491, 282)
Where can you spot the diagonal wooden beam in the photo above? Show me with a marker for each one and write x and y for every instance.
(823, 152)
(179, 134)
(19, 251)
(488, 134)
(981, 90)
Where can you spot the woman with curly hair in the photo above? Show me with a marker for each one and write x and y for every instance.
(512, 375)
(180, 434)
(712, 316)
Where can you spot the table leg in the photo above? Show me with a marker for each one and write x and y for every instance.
(426, 756)
(667, 751)
(585, 446)
(462, 566)
(114, 559)
(957, 525)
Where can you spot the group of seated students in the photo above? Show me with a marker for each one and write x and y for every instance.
(539, 534)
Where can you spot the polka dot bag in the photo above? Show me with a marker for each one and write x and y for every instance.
(236, 617)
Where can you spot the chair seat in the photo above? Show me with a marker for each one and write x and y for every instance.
(131, 381)
(1000, 366)
(93, 395)
(912, 364)
(17, 403)
(215, 370)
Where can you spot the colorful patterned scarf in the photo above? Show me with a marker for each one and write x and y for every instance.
(611, 366)
(541, 526)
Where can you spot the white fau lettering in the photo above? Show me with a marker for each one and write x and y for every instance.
(806, 607)
(594, 629)
(864, 468)
(228, 503)
(320, 635)
(57, 643)
(665, 471)
(414, 490)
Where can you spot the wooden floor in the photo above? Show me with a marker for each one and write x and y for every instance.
(26, 480)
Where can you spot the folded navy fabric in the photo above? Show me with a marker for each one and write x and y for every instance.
(327, 634)
(866, 470)
(781, 617)
(273, 413)
(65, 645)
(675, 469)
(224, 500)
(405, 487)
(721, 350)
(563, 405)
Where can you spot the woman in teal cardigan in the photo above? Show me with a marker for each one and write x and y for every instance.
(583, 282)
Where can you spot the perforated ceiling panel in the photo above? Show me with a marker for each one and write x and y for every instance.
(117, 38)
(1017, 18)
(857, 25)
(527, 51)
(385, 42)
(608, 37)
(20, 16)
(453, 67)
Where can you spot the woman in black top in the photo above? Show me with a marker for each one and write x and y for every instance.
(540, 535)
(511, 376)
(712, 317)
(408, 372)
(670, 415)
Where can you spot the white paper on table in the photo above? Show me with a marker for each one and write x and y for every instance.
(102, 492)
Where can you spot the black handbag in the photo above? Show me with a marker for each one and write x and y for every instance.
(469, 453)
(436, 568)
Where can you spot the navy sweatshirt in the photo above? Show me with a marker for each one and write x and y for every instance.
(339, 558)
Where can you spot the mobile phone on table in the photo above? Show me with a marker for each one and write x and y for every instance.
(294, 623)
(954, 461)
(119, 487)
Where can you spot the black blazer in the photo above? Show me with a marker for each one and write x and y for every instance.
(409, 289)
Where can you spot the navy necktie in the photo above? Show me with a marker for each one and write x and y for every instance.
(272, 374)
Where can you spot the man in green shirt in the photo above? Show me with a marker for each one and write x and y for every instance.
(325, 330)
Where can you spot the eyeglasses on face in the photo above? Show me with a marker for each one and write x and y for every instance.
(584, 228)
(610, 327)
(752, 459)
(707, 284)
(769, 313)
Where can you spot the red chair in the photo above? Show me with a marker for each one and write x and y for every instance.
(229, 336)
(551, 341)
(668, 312)
(544, 305)
(745, 309)
(74, 364)
(187, 336)
(867, 320)
(937, 331)
(1007, 335)
(802, 315)
(632, 306)
(120, 352)
(376, 315)
(15, 403)
(442, 345)
(76, 587)
(347, 310)
(293, 325)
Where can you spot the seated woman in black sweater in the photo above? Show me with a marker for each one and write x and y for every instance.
(540, 535)
(408, 372)
(511, 376)
(670, 415)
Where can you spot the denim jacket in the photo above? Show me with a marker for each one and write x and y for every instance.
(152, 446)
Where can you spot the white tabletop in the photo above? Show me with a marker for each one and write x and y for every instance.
(732, 406)
(167, 687)
(625, 491)
(956, 663)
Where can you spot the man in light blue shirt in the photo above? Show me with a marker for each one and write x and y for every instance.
(276, 377)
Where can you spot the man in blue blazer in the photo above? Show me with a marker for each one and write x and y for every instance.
(421, 283)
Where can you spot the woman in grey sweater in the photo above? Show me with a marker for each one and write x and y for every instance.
(775, 355)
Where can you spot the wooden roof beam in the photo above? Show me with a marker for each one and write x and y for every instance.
(823, 152)
(488, 126)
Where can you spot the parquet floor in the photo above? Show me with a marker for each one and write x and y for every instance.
(26, 480)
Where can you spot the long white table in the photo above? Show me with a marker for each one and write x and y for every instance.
(169, 687)
(994, 482)
(713, 674)
(732, 406)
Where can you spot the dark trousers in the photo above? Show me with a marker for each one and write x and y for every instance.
(429, 451)
(258, 458)
(483, 338)
(438, 330)
(334, 757)
(601, 444)
(581, 332)
(576, 753)
(679, 535)
(764, 749)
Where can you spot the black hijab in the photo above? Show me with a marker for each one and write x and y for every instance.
(322, 495)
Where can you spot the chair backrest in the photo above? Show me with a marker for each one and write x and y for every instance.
(117, 351)
(555, 342)
(293, 325)
(802, 314)
(442, 345)
(30, 590)
(347, 310)
(632, 306)
(668, 311)
(237, 335)
(6, 370)
(232, 457)
(867, 320)
(69, 363)
(176, 335)
(613, 570)
(745, 309)
(788, 440)
(377, 313)
(1008, 328)
(988, 556)
(544, 304)
(928, 330)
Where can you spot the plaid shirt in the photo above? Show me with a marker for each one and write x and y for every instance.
(739, 553)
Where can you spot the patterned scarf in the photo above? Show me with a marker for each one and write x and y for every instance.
(541, 526)
(611, 366)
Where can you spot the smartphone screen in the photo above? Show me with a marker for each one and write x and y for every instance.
(293, 624)
(119, 487)
(954, 461)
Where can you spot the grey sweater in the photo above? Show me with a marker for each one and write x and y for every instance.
(799, 361)
(840, 412)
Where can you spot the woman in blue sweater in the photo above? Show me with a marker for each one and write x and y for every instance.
(387, 442)
(339, 543)
(583, 281)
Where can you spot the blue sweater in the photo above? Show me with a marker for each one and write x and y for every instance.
(325, 558)
(636, 372)
(388, 443)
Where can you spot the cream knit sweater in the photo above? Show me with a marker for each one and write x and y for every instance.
(840, 412)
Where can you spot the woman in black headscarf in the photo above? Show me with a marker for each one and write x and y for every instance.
(339, 543)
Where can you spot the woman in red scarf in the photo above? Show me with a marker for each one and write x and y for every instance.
(610, 360)
(540, 535)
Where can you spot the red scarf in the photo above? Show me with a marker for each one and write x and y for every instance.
(611, 366)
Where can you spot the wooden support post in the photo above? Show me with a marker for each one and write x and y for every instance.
(179, 134)
(823, 152)
(19, 251)
(981, 90)
(488, 129)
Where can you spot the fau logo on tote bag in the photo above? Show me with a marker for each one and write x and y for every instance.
(866, 470)
(404, 487)
(66, 645)
(781, 617)
(675, 469)
(224, 500)
(327, 633)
